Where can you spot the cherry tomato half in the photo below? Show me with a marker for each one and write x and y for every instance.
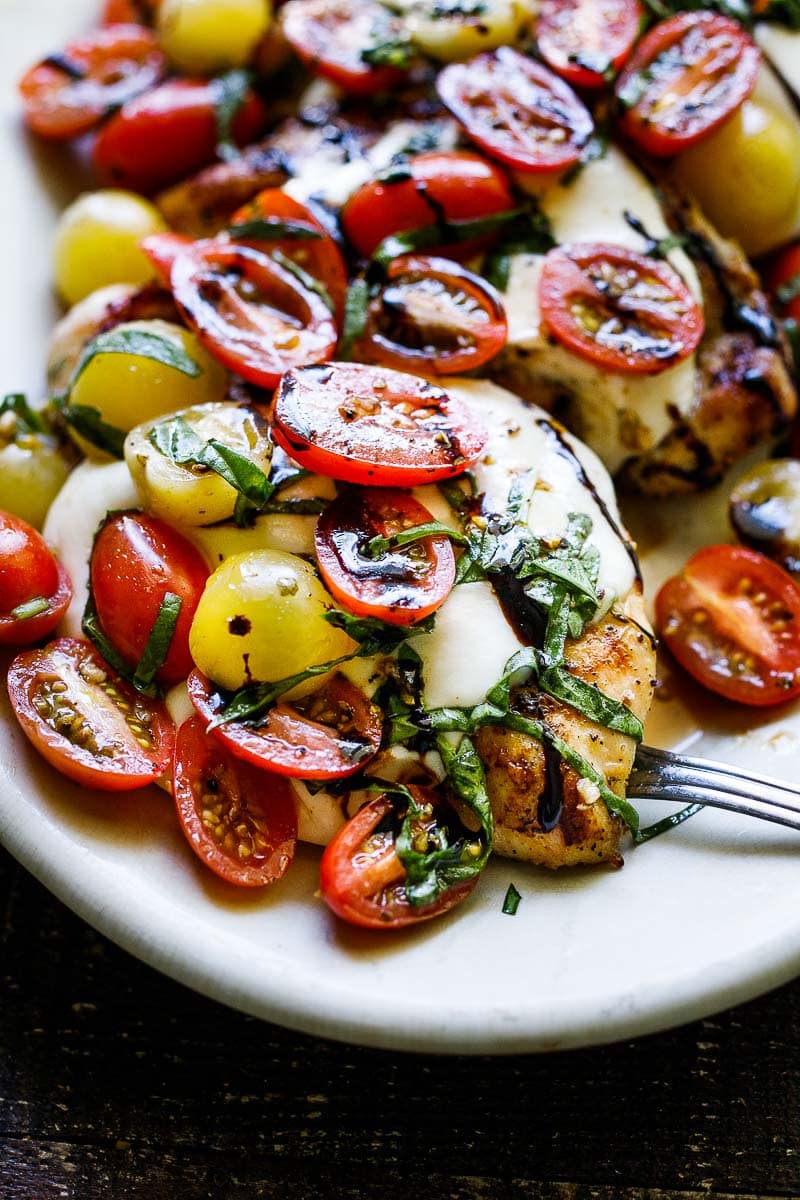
(241, 822)
(400, 585)
(361, 876)
(119, 12)
(621, 310)
(334, 38)
(319, 256)
(582, 40)
(686, 76)
(35, 590)
(368, 424)
(456, 184)
(516, 110)
(329, 734)
(253, 314)
(86, 721)
(168, 133)
(732, 620)
(136, 560)
(67, 94)
(434, 316)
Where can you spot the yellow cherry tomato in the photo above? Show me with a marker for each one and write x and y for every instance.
(455, 32)
(97, 242)
(208, 36)
(127, 389)
(746, 176)
(261, 619)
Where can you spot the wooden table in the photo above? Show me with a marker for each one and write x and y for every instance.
(117, 1083)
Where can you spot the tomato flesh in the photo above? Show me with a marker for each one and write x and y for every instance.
(434, 316)
(166, 134)
(362, 878)
(330, 37)
(328, 735)
(69, 93)
(457, 185)
(732, 620)
(401, 585)
(624, 311)
(685, 77)
(86, 721)
(136, 555)
(583, 41)
(35, 590)
(253, 314)
(517, 110)
(239, 821)
(783, 272)
(319, 256)
(365, 424)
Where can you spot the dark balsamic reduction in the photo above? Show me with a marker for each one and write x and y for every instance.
(551, 801)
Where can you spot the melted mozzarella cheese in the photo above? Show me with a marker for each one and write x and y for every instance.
(620, 415)
(782, 48)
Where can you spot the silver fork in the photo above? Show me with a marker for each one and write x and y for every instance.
(659, 775)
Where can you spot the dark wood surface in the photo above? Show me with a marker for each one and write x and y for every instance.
(116, 1082)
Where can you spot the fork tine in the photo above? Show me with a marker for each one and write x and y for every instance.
(659, 775)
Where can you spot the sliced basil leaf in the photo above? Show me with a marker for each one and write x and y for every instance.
(356, 310)
(142, 343)
(231, 92)
(28, 420)
(442, 232)
(30, 608)
(89, 425)
(90, 624)
(177, 441)
(378, 546)
(397, 52)
(248, 704)
(294, 507)
(665, 824)
(308, 281)
(158, 643)
(590, 701)
(274, 229)
(511, 902)
(530, 233)
(374, 636)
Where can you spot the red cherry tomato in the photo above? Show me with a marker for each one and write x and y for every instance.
(434, 316)
(582, 40)
(621, 310)
(516, 110)
(136, 560)
(253, 314)
(361, 876)
(334, 38)
(35, 590)
(459, 185)
(368, 424)
(319, 256)
(168, 133)
(732, 620)
(86, 721)
(241, 822)
(686, 76)
(125, 12)
(328, 735)
(67, 94)
(400, 585)
(784, 273)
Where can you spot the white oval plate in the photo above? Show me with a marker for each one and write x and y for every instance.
(702, 918)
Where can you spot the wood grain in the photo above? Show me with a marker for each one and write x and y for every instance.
(116, 1082)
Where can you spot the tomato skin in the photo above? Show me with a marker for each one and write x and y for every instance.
(328, 36)
(28, 571)
(136, 555)
(474, 326)
(111, 757)
(166, 134)
(364, 424)
(277, 323)
(163, 248)
(301, 740)
(509, 105)
(664, 112)
(102, 70)
(589, 30)
(217, 797)
(783, 268)
(585, 287)
(137, 12)
(361, 876)
(460, 184)
(732, 620)
(398, 587)
(321, 257)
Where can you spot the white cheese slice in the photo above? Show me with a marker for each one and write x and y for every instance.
(782, 48)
